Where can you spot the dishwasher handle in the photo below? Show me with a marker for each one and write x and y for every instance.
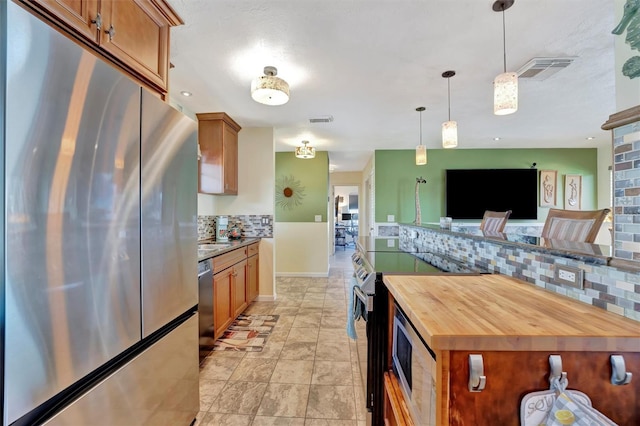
(204, 267)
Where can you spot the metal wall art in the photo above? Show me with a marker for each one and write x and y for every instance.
(630, 22)
(289, 192)
(548, 189)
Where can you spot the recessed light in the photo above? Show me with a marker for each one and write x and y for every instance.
(185, 93)
(496, 139)
(590, 138)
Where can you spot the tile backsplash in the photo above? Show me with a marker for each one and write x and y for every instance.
(251, 225)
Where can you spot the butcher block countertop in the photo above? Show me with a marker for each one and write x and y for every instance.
(500, 313)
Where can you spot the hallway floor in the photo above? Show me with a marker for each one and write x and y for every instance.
(307, 374)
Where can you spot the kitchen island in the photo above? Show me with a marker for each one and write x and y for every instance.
(607, 282)
(514, 327)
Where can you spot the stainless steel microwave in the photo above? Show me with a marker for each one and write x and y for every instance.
(414, 364)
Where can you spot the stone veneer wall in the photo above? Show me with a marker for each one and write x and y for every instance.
(606, 287)
(251, 225)
(626, 166)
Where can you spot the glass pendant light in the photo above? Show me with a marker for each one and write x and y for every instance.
(305, 151)
(505, 85)
(421, 150)
(269, 89)
(449, 128)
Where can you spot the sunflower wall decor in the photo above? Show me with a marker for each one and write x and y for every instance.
(289, 192)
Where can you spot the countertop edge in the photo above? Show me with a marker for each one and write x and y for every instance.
(471, 342)
(233, 245)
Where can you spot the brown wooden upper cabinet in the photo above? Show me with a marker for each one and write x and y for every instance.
(133, 34)
(218, 166)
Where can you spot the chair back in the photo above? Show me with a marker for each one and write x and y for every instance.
(494, 222)
(574, 225)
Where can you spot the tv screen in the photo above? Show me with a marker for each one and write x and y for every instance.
(469, 192)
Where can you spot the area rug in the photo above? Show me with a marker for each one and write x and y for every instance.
(248, 333)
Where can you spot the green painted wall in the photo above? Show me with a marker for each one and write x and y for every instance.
(396, 173)
(309, 180)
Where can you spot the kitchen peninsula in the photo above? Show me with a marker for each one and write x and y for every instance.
(608, 283)
(514, 328)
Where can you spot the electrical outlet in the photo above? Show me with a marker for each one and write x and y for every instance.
(265, 221)
(391, 243)
(568, 275)
(391, 218)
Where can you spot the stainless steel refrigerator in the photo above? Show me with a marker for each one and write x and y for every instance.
(99, 294)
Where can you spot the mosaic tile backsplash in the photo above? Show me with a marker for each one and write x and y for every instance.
(258, 226)
(614, 289)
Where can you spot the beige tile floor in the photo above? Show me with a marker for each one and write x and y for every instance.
(307, 373)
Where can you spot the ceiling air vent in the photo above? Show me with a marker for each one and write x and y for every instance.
(323, 119)
(542, 68)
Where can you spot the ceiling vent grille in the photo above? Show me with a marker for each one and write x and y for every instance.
(323, 119)
(542, 68)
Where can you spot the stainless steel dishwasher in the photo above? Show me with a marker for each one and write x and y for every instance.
(205, 307)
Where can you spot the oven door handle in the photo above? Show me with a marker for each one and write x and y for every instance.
(366, 299)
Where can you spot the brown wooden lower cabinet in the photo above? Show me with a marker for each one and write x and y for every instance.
(239, 287)
(235, 285)
(222, 301)
(252, 278)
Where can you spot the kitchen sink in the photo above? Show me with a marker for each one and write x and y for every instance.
(212, 246)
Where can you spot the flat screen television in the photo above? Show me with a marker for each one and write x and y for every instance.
(469, 192)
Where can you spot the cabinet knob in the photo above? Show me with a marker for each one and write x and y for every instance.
(111, 31)
(97, 21)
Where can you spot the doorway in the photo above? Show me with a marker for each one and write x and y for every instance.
(346, 211)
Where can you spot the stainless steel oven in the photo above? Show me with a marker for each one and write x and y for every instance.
(373, 258)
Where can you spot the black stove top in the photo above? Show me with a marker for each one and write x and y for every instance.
(379, 255)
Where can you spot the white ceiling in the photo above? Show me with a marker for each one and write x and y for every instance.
(369, 64)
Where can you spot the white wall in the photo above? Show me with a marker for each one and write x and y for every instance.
(256, 195)
(302, 237)
(256, 175)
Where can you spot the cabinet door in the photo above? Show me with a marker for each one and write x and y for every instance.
(218, 166)
(230, 152)
(252, 278)
(239, 295)
(75, 14)
(222, 301)
(136, 33)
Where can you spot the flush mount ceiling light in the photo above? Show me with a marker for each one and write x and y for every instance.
(505, 85)
(305, 151)
(421, 150)
(269, 89)
(449, 128)
(185, 93)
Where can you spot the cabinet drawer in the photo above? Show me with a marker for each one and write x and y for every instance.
(253, 249)
(226, 260)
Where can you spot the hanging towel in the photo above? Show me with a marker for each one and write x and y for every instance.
(351, 311)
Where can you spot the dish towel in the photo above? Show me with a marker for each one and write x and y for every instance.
(351, 311)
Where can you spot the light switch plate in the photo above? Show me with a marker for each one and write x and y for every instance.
(318, 218)
(391, 243)
(569, 275)
(391, 218)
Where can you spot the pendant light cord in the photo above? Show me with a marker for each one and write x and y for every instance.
(504, 41)
(449, 95)
(420, 128)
